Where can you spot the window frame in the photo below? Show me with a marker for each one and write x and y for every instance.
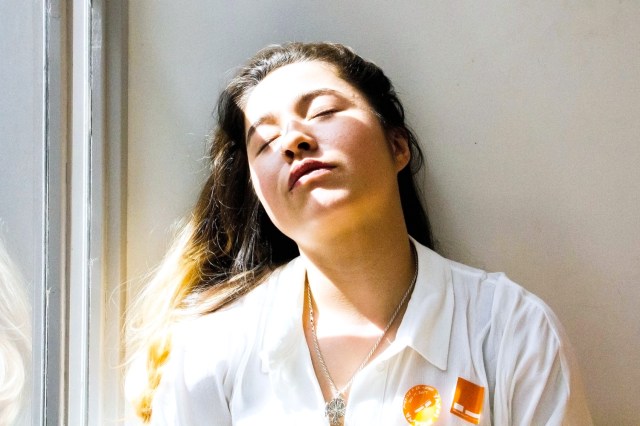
(79, 308)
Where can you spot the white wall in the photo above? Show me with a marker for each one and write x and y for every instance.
(529, 114)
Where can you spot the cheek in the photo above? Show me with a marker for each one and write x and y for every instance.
(256, 183)
(266, 188)
(367, 148)
(264, 183)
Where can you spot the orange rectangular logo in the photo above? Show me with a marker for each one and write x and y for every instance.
(467, 401)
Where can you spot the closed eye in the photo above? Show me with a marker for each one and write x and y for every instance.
(324, 113)
(262, 142)
(266, 143)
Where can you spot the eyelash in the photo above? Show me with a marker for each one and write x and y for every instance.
(324, 113)
(266, 144)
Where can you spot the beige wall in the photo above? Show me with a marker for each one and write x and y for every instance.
(529, 113)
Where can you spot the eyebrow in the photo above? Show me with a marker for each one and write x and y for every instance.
(303, 98)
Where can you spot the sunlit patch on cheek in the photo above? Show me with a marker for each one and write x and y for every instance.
(254, 180)
(265, 187)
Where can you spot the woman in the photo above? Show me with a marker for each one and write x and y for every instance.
(304, 290)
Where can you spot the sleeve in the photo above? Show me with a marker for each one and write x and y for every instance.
(196, 382)
(537, 376)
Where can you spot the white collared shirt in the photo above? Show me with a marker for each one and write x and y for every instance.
(249, 364)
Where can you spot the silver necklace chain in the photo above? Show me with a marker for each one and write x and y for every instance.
(335, 409)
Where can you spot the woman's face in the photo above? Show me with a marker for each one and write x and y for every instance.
(319, 158)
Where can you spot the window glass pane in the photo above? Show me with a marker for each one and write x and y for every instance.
(21, 205)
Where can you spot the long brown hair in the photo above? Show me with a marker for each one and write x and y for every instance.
(229, 244)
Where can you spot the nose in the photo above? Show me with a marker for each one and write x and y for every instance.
(296, 140)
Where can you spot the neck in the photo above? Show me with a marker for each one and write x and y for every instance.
(360, 279)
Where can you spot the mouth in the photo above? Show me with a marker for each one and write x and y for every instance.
(305, 168)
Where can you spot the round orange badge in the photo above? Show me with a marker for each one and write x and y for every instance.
(422, 405)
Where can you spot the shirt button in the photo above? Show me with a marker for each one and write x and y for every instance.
(381, 366)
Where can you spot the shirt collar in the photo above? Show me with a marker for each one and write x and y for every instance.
(284, 355)
(284, 325)
(425, 327)
(426, 324)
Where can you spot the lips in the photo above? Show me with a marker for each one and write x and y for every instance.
(304, 168)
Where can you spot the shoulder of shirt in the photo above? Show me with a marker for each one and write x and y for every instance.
(522, 343)
(230, 324)
(510, 301)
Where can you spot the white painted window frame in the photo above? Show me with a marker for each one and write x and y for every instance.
(80, 307)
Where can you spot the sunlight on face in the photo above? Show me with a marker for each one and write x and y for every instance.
(319, 157)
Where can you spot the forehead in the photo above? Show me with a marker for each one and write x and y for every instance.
(285, 84)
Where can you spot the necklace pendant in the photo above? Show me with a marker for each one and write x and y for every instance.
(335, 409)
